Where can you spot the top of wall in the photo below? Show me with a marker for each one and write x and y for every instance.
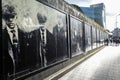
(71, 10)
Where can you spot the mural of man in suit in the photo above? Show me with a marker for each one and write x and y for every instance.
(20, 48)
(47, 42)
(11, 42)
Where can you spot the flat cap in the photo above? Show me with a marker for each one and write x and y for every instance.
(8, 10)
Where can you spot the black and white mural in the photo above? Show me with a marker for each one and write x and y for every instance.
(98, 37)
(76, 36)
(94, 36)
(88, 38)
(101, 38)
(33, 36)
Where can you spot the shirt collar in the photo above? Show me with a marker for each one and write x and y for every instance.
(9, 29)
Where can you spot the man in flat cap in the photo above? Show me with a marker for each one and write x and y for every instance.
(12, 43)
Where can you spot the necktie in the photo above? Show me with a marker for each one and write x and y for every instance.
(14, 38)
(43, 36)
(15, 46)
(43, 47)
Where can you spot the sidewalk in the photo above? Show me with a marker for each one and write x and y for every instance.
(105, 65)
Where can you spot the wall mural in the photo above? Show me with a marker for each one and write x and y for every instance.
(33, 36)
(76, 36)
(94, 36)
(98, 38)
(88, 39)
(101, 38)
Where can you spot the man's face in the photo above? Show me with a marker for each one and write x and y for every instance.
(10, 21)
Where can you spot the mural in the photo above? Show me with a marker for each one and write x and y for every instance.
(88, 38)
(98, 38)
(76, 36)
(94, 44)
(101, 38)
(34, 36)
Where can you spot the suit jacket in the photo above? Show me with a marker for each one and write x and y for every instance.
(28, 57)
(11, 60)
(50, 47)
(31, 46)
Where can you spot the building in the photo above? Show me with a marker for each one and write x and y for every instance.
(89, 12)
(95, 12)
(116, 33)
(99, 12)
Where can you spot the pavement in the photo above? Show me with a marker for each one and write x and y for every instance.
(104, 65)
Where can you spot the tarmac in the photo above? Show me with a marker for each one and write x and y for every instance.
(103, 65)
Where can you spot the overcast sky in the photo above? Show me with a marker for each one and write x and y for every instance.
(112, 9)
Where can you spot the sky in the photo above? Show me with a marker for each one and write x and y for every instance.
(112, 8)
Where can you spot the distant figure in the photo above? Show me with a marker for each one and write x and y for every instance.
(107, 41)
(117, 42)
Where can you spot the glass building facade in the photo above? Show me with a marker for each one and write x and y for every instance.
(96, 12)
